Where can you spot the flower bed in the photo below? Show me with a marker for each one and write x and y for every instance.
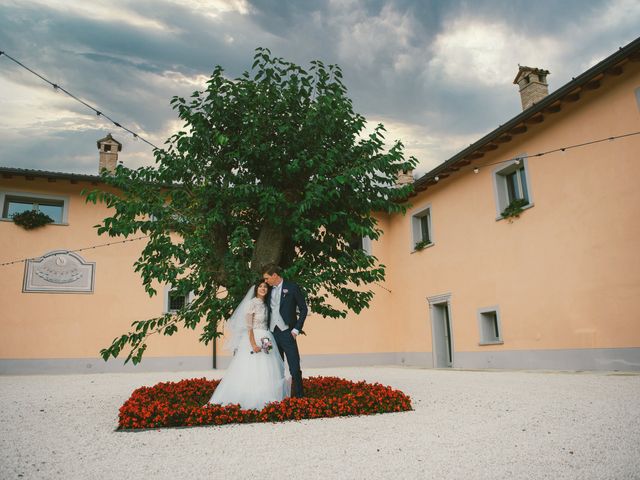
(184, 403)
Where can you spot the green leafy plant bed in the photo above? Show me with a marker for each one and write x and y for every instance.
(31, 219)
(184, 404)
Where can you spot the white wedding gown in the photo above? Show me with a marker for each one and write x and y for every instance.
(253, 379)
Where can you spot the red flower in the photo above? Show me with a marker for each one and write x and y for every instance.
(184, 403)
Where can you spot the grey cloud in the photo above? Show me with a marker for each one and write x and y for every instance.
(121, 68)
(56, 152)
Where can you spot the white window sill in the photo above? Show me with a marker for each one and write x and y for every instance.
(423, 248)
(497, 342)
(527, 207)
(54, 223)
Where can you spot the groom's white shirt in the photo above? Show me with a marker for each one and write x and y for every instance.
(276, 318)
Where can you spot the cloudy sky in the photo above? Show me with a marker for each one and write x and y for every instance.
(437, 73)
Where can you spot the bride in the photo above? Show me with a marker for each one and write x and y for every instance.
(255, 375)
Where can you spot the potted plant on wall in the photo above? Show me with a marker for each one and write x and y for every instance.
(30, 219)
(421, 245)
(514, 209)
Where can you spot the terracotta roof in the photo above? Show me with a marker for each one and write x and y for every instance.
(109, 138)
(522, 70)
(8, 172)
(552, 103)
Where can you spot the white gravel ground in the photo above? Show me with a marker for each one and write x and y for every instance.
(466, 425)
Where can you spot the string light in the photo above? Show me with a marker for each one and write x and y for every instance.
(58, 88)
(517, 160)
(136, 136)
(91, 247)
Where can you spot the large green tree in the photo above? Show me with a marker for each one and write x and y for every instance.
(274, 166)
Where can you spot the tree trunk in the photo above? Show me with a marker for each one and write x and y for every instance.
(269, 246)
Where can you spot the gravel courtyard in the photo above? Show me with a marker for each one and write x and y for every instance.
(465, 425)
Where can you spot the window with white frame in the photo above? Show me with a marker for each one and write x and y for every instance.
(56, 207)
(422, 235)
(361, 243)
(512, 187)
(489, 326)
(174, 301)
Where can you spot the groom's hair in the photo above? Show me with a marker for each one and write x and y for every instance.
(271, 268)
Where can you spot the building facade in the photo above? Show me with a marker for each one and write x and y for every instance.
(518, 252)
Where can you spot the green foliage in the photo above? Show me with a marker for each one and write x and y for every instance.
(30, 219)
(273, 166)
(515, 208)
(421, 245)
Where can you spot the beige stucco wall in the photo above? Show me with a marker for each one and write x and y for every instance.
(565, 275)
(56, 325)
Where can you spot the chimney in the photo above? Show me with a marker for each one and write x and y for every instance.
(108, 148)
(404, 177)
(533, 85)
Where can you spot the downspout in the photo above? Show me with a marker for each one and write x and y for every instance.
(214, 353)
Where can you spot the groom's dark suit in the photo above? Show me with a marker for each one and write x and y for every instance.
(293, 310)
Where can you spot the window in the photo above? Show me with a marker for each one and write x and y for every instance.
(511, 183)
(361, 243)
(489, 325)
(422, 235)
(17, 202)
(176, 301)
(173, 301)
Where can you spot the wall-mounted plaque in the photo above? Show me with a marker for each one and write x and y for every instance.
(59, 271)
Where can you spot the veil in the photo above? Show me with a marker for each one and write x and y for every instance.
(237, 323)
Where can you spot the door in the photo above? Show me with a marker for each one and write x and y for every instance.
(441, 332)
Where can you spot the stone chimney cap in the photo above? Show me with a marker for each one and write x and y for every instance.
(109, 139)
(524, 70)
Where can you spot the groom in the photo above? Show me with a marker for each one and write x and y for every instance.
(285, 323)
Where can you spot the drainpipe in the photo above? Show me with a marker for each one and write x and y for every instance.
(214, 353)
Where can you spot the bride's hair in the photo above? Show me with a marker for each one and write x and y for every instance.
(258, 283)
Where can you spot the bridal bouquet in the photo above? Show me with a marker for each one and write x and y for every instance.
(265, 345)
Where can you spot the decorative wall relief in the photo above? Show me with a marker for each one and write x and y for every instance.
(59, 271)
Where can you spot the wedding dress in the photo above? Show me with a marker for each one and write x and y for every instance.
(252, 379)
